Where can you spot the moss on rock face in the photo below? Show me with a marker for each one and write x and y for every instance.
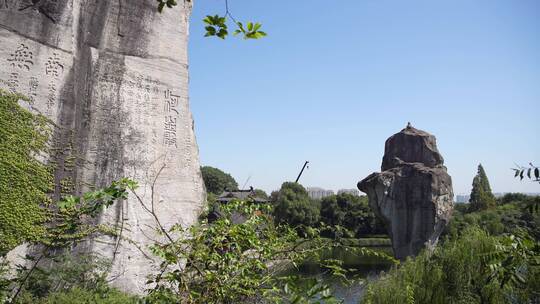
(24, 180)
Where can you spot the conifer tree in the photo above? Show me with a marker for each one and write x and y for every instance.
(481, 196)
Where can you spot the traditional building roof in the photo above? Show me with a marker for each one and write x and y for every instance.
(242, 195)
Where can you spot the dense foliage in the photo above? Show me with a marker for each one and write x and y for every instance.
(71, 279)
(352, 213)
(78, 295)
(28, 215)
(486, 256)
(216, 181)
(69, 222)
(294, 207)
(347, 215)
(228, 262)
(24, 180)
(481, 196)
(259, 193)
(510, 214)
(475, 268)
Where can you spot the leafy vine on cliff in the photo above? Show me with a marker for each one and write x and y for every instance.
(24, 180)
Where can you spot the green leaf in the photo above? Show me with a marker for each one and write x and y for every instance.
(210, 30)
(241, 27)
(68, 202)
(208, 20)
(216, 26)
(222, 33)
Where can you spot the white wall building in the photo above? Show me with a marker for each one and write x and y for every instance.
(318, 193)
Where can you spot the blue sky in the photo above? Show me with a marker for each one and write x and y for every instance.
(334, 79)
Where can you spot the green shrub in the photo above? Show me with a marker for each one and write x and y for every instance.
(242, 262)
(78, 295)
(352, 213)
(68, 271)
(505, 218)
(70, 279)
(464, 270)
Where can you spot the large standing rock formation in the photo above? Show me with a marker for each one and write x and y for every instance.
(413, 195)
(113, 75)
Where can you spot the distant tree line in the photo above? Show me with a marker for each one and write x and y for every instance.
(348, 215)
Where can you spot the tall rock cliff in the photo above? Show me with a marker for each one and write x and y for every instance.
(413, 193)
(113, 76)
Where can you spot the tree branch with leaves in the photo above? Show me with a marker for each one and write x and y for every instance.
(216, 25)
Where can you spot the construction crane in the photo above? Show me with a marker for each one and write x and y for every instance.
(302, 171)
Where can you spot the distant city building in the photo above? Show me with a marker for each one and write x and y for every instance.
(318, 193)
(462, 198)
(349, 191)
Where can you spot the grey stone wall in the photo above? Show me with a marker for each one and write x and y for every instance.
(113, 76)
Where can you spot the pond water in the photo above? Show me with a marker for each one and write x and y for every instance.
(367, 268)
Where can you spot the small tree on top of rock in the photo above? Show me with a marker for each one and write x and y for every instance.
(481, 196)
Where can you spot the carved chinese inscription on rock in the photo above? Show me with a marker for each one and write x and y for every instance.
(171, 115)
(13, 82)
(33, 85)
(141, 93)
(53, 68)
(19, 61)
(21, 58)
(34, 71)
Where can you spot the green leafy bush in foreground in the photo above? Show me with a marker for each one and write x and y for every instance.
(67, 279)
(476, 268)
(84, 296)
(228, 262)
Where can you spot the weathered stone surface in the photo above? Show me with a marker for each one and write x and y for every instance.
(113, 75)
(413, 195)
(411, 146)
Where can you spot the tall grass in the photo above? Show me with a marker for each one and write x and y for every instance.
(454, 273)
